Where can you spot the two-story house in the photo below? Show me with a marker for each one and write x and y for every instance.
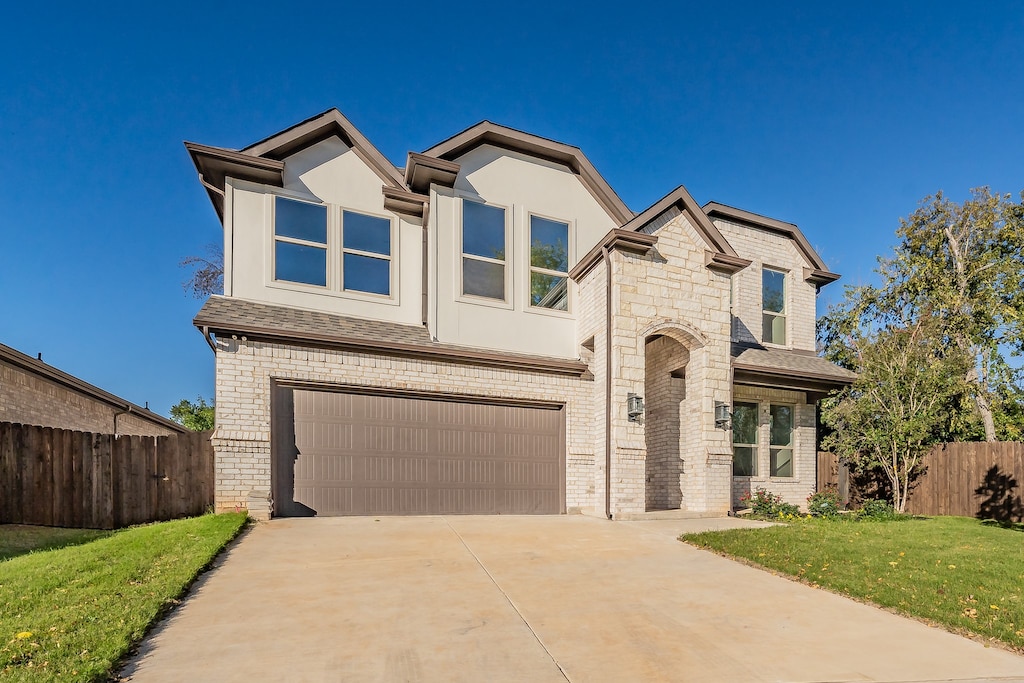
(491, 330)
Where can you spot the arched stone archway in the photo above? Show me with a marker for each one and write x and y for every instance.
(671, 432)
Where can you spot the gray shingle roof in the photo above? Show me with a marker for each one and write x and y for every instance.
(797, 364)
(229, 315)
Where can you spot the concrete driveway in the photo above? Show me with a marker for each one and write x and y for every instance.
(528, 599)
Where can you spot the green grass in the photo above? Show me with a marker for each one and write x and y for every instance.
(955, 571)
(72, 613)
(18, 539)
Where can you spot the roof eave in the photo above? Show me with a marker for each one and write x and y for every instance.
(216, 164)
(616, 240)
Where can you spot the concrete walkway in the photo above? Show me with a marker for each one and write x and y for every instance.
(528, 599)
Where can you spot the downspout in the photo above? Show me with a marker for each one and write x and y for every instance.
(206, 335)
(426, 264)
(607, 383)
(211, 188)
(127, 409)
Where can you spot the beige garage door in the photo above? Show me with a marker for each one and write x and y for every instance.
(342, 453)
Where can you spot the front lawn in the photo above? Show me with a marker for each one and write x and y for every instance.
(955, 571)
(70, 614)
(18, 539)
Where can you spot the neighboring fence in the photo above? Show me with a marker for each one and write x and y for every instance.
(58, 477)
(975, 479)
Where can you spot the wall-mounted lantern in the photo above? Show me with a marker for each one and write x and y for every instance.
(722, 415)
(635, 408)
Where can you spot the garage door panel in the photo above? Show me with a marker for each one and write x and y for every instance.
(349, 453)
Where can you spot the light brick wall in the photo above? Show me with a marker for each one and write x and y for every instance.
(666, 428)
(793, 489)
(30, 399)
(769, 249)
(246, 370)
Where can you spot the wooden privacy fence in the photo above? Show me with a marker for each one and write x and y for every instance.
(975, 479)
(58, 477)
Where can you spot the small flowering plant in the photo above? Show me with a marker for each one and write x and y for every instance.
(763, 503)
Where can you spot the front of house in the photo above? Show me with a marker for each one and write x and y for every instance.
(490, 330)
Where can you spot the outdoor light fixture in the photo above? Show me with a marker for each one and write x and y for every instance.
(634, 407)
(722, 415)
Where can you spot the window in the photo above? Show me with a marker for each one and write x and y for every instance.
(366, 253)
(483, 250)
(744, 440)
(549, 264)
(300, 242)
(773, 305)
(781, 442)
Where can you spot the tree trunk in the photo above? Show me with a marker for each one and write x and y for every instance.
(985, 408)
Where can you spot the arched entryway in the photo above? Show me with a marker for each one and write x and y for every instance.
(671, 429)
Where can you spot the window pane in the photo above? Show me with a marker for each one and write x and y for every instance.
(744, 423)
(483, 230)
(549, 244)
(366, 233)
(782, 462)
(549, 291)
(773, 290)
(367, 274)
(301, 220)
(299, 263)
(774, 328)
(743, 461)
(480, 278)
(782, 425)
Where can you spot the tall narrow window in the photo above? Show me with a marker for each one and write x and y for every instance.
(483, 250)
(300, 242)
(773, 305)
(366, 253)
(549, 264)
(781, 444)
(744, 440)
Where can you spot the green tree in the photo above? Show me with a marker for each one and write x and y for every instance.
(197, 416)
(960, 264)
(900, 403)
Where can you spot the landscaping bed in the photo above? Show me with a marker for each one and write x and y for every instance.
(958, 572)
(70, 614)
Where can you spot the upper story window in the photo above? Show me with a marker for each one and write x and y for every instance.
(549, 263)
(366, 253)
(306, 247)
(744, 440)
(773, 306)
(483, 250)
(781, 442)
(300, 242)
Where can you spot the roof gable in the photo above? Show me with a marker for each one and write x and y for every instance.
(817, 273)
(719, 255)
(488, 133)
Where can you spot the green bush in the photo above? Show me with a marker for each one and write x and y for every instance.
(826, 503)
(879, 510)
(767, 505)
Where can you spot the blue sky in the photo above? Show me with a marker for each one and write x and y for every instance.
(839, 118)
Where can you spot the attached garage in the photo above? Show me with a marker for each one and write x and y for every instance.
(356, 452)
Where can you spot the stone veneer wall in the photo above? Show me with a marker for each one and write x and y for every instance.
(30, 399)
(769, 249)
(667, 292)
(793, 489)
(246, 370)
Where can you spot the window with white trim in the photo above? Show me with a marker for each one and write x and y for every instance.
(773, 306)
(300, 242)
(549, 263)
(744, 439)
(309, 239)
(483, 250)
(781, 440)
(366, 253)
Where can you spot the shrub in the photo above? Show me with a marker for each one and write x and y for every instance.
(764, 504)
(825, 503)
(878, 509)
